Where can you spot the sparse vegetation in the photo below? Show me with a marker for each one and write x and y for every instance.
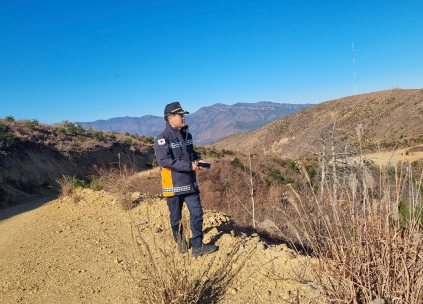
(168, 277)
(7, 138)
(127, 141)
(9, 118)
(149, 139)
(96, 184)
(79, 138)
(31, 124)
(96, 134)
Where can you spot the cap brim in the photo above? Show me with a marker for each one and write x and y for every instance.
(181, 112)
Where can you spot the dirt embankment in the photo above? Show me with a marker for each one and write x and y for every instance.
(83, 249)
(28, 170)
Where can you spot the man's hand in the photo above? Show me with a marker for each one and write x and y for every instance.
(195, 167)
(201, 168)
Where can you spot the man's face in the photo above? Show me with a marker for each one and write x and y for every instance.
(177, 120)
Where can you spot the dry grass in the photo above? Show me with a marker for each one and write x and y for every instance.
(167, 276)
(124, 181)
(68, 188)
(65, 187)
(364, 251)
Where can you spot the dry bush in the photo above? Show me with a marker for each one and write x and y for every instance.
(124, 181)
(364, 252)
(121, 184)
(170, 277)
(366, 249)
(68, 187)
(226, 188)
(65, 187)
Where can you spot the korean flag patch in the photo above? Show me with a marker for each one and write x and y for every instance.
(161, 142)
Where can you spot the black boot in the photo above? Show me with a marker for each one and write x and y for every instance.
(182, 245)
(203, 249)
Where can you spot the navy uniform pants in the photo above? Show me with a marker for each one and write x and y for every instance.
(193, 202)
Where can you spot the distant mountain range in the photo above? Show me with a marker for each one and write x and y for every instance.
(208, 124)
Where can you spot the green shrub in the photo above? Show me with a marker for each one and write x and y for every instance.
(80, 129)
(75, 183)
(237, 163)
(10, 138)
(96, 134)
(80, 138)
(127, 141)
(71, 128)
(112, 136)
(406, 216)
(127, 134)
(311, 171)
(149, 139)
(31, 124)
(96, 184)
(293, 166)
(152, 163)
(281, 162)
(296, 185)
(9, 118)
(3, 127)
(288, 180)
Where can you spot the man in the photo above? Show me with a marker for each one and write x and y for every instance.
(178, 162)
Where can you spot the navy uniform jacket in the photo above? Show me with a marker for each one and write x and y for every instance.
(175, 153)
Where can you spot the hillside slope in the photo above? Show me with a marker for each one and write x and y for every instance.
(384, 117)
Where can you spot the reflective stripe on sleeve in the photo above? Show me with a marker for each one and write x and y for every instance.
(175, 145)
(176, 189)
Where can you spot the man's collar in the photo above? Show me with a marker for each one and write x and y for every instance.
(176, 128)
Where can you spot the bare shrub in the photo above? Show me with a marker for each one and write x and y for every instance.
(122, 182)
(171, 277)
(65, 187)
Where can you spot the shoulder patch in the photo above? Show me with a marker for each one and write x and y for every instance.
(161, 141)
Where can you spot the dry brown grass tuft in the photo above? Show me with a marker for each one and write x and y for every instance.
(171, 277)
(364, 251)
(65, 187)
(124, 181)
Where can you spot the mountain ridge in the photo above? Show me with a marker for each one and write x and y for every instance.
(208, 124)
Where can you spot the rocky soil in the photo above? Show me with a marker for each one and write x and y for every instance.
(85, 249)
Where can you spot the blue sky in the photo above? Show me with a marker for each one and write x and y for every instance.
(89, 60)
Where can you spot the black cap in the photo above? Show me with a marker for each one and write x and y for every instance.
(174, 108)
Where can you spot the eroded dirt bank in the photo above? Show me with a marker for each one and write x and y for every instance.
(28, 171)
(82, 249)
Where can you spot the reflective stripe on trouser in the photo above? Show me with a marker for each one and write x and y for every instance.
(193, 202)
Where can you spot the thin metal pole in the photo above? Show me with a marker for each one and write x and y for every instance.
(355, 82)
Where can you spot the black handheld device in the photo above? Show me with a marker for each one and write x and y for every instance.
(204, 165)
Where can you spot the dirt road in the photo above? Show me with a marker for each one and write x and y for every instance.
(81, 249)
